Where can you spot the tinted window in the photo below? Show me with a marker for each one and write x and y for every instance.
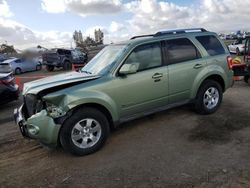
(180, 50)
(18, 61)
(148, 56)
(211, 44)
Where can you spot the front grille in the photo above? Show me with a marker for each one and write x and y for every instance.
(32, 104)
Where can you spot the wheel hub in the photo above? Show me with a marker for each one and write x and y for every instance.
(211, 97)
(86, 133)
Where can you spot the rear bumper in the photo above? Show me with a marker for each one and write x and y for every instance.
(39, 126)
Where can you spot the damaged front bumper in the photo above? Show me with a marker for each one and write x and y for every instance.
(39, 126)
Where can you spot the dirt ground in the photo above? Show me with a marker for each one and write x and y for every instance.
(174, 148)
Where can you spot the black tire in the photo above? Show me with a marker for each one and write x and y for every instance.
(238, 52)
(66, 131)
(50, 68)
(18, 71)
(38, 67)
(67, 66)
(246, 79)
(200, 106)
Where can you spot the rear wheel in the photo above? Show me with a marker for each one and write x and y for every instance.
(67, 66)
(209, 97)
(50, 68)
(18, 71)
(84, 132)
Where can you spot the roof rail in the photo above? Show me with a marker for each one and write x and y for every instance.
(168, 32)
(179, 31)
(140, 36)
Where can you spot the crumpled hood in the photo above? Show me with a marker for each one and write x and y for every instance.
(36, 86)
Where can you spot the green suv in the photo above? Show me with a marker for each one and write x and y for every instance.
(124, 81)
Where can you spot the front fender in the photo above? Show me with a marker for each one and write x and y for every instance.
(72, 100)
(204, 74)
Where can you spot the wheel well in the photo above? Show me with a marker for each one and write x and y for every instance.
(103, 109)
(218, 79)
(92, 105)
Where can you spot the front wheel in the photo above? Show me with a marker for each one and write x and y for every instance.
(84, 132)
(209, 97)
(67, 66)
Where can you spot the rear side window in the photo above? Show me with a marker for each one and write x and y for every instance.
(211, 44)
(180, 50)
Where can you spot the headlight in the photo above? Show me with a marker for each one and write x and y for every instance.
(54, 111)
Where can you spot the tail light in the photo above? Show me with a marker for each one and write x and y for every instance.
(230, 62)
(7, 80)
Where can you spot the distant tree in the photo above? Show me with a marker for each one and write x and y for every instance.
(8, 49)
(89, 41)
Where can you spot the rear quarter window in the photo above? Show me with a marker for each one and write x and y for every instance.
(212, 45)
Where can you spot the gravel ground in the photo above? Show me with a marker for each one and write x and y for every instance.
(174, 148)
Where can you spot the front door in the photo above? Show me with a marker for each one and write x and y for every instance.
(145, 90)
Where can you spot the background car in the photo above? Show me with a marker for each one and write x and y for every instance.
(19, 65)
(237, 47)
(63, 58)
(8, 89)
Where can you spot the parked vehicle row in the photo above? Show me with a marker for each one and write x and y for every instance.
(124, 81)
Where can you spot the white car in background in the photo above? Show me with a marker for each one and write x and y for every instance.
(237, 47)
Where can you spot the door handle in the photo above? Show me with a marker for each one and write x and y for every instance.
(197, 66)
(157, 75)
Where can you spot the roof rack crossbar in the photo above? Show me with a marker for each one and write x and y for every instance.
(140, 36)
(179, 31)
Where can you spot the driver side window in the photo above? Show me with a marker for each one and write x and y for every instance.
(147, 56)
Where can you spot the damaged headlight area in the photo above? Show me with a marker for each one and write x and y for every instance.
(54, 111)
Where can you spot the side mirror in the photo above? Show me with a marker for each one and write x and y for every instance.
(129, 68)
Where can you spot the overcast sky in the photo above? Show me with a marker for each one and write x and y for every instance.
(50, 23)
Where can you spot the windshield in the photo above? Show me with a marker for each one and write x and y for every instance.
(104, 60)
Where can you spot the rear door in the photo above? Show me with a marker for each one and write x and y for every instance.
(27, 65)
(184, 64)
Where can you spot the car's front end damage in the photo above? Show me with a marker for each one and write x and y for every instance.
(42, 113)
(39, 126)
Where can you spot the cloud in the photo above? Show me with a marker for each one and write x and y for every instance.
(4, 9)
(94, 7)
(23, 37)
(116, 27)
(82, 7)
(53, 6)
(151, 15)
(146, 16)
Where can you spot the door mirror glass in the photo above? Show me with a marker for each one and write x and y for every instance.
(129, 68)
